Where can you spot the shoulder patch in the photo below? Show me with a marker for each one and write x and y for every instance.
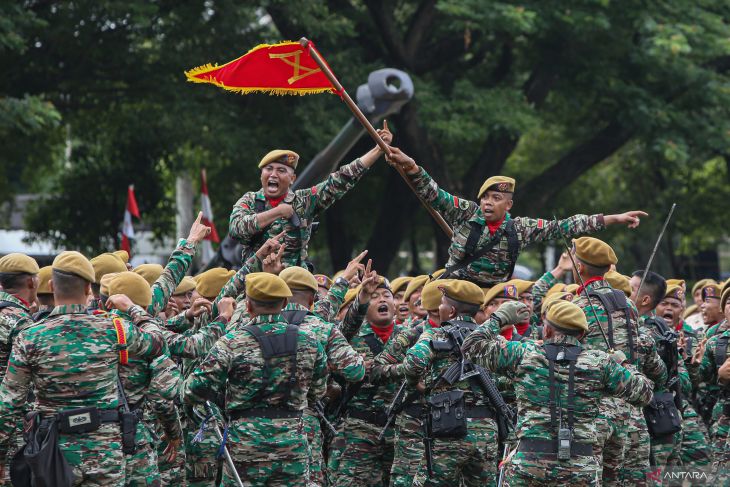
(314, 189)
(540, 223)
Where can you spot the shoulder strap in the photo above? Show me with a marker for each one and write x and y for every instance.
(295, 316)
(571, 394)
(374, 344)
(513, 246)
(469, 259)
(557, 353)
(613, 302)
(274, 346)
(473, 238)
(121, 340)
(8, 304)
(721, 350)
(259, 205)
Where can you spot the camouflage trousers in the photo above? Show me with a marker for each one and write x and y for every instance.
(665, 451)
(364, 460)
(721, 451)
(471, 461)
(171, 473)
(408, 450)
(543, 469)
(316, 457)
(141, 470)
(96, 458)
(611, 432)
(636, 464)
(695, 451)
(201, 465)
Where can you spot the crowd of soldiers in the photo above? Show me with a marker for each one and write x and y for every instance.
(274, 375)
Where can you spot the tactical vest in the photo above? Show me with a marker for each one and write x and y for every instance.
(613, 302)
(295, 316)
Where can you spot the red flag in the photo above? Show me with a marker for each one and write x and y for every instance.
(207, 209)
(277, 69)
(129, 211)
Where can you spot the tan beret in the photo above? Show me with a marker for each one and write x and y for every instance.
(505, 290)
(431, 295)
(556, 288)
(702, 283)
(290, 158)
(210, 282)
(678, 282)
(571, 288)
(522, 285)
(618, 281)
(122, 254)
(105, 281)
(263, 286)
(323, 281)
(711, 291)
(691, 309)
(350, 296)
(675, 292)
(400, 283)
(594, 252)
(437, 273)
(414, 285)
(44, 280)
(186, 285)
(106, 264)
(725, 296)
(72, 262)
(299, 278)
(150, 272)
(134, 286)
(547, 302)
(502, 184)
(464, 291)
(17, 263)
(565, 314)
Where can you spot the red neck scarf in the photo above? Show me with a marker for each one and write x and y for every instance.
(383, 332)
(586, 283)
(680, 325)
(433, 323)
(522, 328)
(274, 202)
(399, 322)
(26, 303)
(494, 226)
(507, 333)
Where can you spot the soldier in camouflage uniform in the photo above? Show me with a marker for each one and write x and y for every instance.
(408, 450)
(44, 295)
(265, 393)
(497, 231)
(76, 369)
(364, 460)
(544, 402)
(622, 427)
(545, 283)
(341, 358)
(259, 215)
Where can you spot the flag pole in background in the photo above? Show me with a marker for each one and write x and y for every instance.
(131, 210)
(207, 219)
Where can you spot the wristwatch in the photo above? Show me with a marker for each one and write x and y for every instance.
(341, 281)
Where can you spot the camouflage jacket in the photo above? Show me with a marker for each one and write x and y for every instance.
(194, 345)
(717, 328)
(341, 357)
(12, 319)
(374, 395)
(645, 354)
(494, 266)
(71, 360)
(708, 366)
(539, 290)
(682, 373)
(307, 204)
(596, 376)
(386, 364)
(175, 270)
(235, 366)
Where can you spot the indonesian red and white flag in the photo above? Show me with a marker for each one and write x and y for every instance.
(130, 211)
(207, 219)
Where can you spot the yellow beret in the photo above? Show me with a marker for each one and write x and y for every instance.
(122, 254)
(702, 283)
(571, 288)
(565, 314)
(134, 286)
(556, 288)
(414, 285)
(399, 283)
(506, 290)
(323, 281)
(290, 158)
(618, 281)
(464, 291)
(502, 184)
(299, 278)
(72, 262)
(678, 282)
(691, 309)
(17, 263)
(210, 282)
(437, 273)
(263, 286)
(547, 302)
(594, 252)
(723, 300)
(674, 291)
(350, 296)
(186, 285)
(711, 291)
(726, 285)
(44, 280)
(106, 264)
(431, 295)
(106, 279)
(522, 285)
(150, 272)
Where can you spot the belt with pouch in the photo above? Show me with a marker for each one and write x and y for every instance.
(529, 445)
(269, 413)
(378, 419)
(81, 420)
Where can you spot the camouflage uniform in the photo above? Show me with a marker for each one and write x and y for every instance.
(471, 460)
(71, 359)
(265, 450)
(364, 460)
(175, 270)
(307, 204)
(526, 363)
(494, 266)
(408, 450)
(539, 290)
(623, 441)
